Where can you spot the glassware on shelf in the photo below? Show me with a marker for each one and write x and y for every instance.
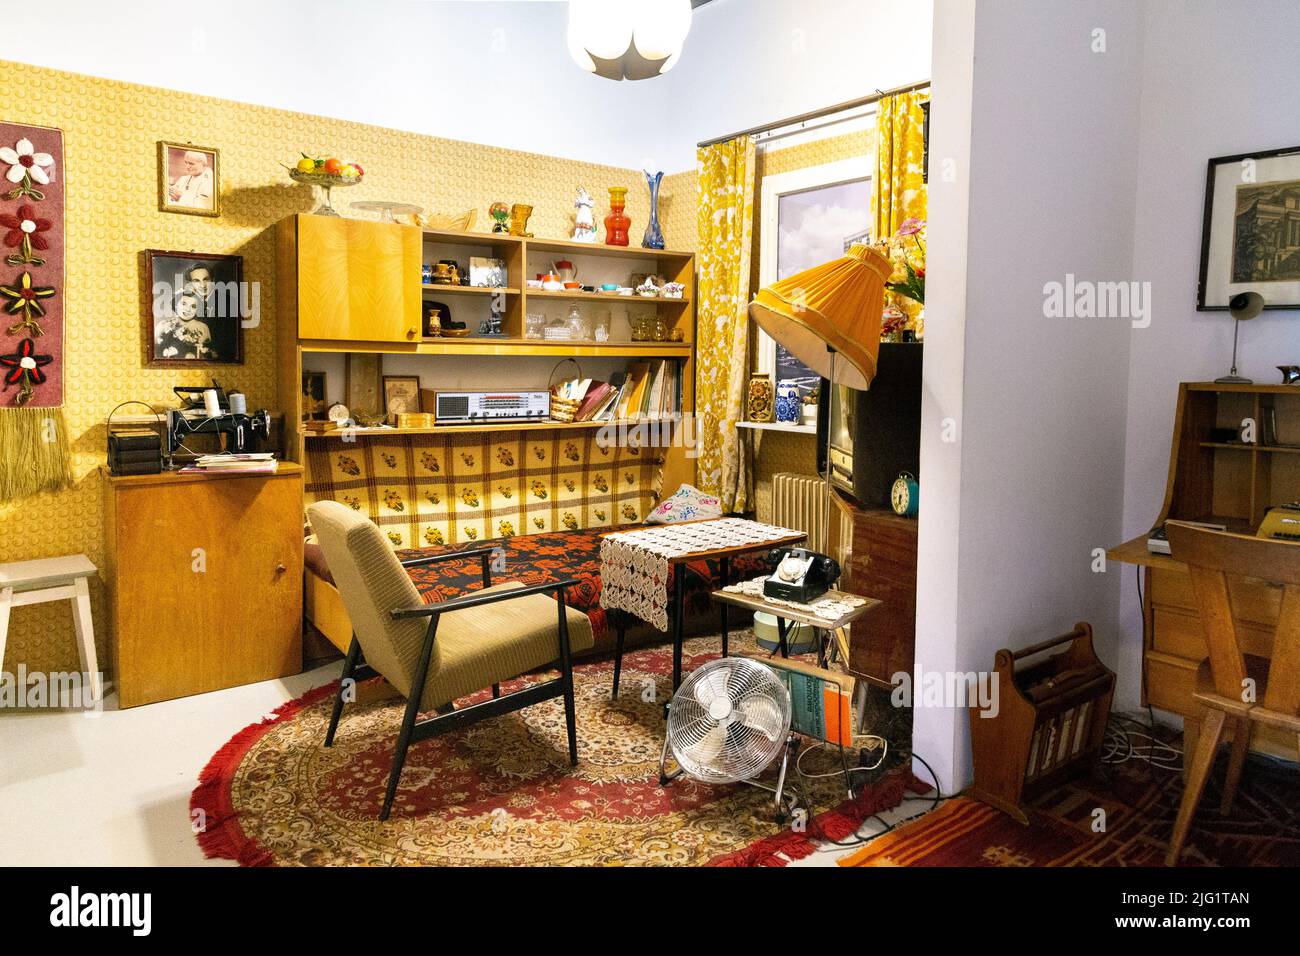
(600, 330)
(617, 222)
(637, 324)
(579, 327)
(658, 328)
(534, 325)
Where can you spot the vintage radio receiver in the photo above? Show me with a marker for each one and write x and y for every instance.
(464, 408)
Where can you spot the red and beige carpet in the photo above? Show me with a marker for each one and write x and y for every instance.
(1138, 805)
(502, 793)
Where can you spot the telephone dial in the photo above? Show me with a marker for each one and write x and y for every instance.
(800, 575)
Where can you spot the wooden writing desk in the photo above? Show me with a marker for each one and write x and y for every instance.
(1230, 483)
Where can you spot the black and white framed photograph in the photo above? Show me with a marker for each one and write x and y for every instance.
(1251, 236)
(487, 273)
(197, 306)
(189, 179)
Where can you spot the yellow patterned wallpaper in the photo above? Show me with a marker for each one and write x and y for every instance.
(110, 134)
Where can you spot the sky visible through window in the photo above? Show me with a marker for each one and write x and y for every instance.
(816, 226)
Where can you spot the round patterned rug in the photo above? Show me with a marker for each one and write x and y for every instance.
(502, 793)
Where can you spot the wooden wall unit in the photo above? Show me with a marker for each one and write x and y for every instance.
(327, 264)
(180, 628)
(354, 279)
(1231, 483)
(880, 563)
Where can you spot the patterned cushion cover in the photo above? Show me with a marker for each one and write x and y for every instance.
(687, 503)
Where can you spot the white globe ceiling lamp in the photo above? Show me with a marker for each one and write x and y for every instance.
(627, 39)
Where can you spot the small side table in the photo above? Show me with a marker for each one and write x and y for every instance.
(53, 579)
(785, 615)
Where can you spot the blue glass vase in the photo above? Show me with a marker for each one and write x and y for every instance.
(654, 236)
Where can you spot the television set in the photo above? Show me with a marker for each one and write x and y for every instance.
(874, 435)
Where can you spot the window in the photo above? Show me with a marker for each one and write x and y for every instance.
(810, 216)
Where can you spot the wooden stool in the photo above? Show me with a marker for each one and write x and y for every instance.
(53, 579)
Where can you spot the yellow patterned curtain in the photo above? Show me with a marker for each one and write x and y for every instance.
(900, 191)
(726, 229)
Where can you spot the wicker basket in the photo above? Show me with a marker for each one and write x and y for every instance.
(563, 409)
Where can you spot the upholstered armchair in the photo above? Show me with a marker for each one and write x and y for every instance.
(434, 654)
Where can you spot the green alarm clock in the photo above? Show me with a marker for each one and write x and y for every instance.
(905, 495)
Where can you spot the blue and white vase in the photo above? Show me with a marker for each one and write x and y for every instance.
(654, 236)
(788, 404)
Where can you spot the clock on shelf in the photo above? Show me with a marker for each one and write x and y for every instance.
(905, 495)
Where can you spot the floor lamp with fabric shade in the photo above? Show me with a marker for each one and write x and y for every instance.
(829, 318)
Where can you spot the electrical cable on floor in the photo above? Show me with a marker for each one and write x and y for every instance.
(858, 839)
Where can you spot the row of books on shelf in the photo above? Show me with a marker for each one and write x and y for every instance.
(650, 390)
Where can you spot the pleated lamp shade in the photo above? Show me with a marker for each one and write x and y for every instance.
(839, 304)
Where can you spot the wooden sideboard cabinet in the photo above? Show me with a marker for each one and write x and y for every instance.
(354, 280)
(1226, 482)
(880, 562)
(204, 581)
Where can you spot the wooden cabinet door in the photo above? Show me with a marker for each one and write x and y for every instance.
(358, 280)
(208, 585)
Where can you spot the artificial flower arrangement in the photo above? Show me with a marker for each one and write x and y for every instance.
(908, 258)
(906, 250)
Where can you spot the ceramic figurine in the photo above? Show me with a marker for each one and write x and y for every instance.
(654, 236)
(673, 290)
(500, 214)
(584, 223)
(648, 289)
(617, 222)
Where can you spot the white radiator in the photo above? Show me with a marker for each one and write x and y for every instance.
(799, 502)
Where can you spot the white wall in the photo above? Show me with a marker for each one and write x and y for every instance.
(488, 71)
(748, 62)
(1050, 191)
(1214, 83)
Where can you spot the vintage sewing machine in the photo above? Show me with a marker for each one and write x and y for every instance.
(210, 411)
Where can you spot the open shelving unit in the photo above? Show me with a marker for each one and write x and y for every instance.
(354, 287)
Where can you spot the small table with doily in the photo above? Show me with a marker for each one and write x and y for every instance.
(643, 572)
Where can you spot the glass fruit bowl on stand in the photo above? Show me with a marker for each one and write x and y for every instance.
(325, 174)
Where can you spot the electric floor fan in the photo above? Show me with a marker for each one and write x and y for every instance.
(727, 723)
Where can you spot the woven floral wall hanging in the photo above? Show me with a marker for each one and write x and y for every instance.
(34, 451)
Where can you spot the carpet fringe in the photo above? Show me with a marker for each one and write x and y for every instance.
(222, 838)
(837, 824)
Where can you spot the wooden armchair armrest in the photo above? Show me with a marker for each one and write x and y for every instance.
(478, 598)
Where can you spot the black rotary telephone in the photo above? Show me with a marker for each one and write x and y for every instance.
(799, 574)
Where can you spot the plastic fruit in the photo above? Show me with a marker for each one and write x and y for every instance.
(357, 167)
(332, 166)
(349, 172)
(306, 165)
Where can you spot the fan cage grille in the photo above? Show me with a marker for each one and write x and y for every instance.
(725, 743)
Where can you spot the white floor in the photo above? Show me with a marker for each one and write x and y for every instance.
(113, 789)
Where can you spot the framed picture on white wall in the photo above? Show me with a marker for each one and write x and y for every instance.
(1250, 241)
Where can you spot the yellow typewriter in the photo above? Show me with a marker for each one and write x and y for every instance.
(1281, 523)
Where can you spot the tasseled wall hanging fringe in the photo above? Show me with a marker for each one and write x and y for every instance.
(34, 452)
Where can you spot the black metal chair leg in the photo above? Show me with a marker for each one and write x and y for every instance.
(566, 667)
(724, 572)
(620, 631)
(408, 720)
(349, 668)
(782, 629)
(496, 690)
(677, 620)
